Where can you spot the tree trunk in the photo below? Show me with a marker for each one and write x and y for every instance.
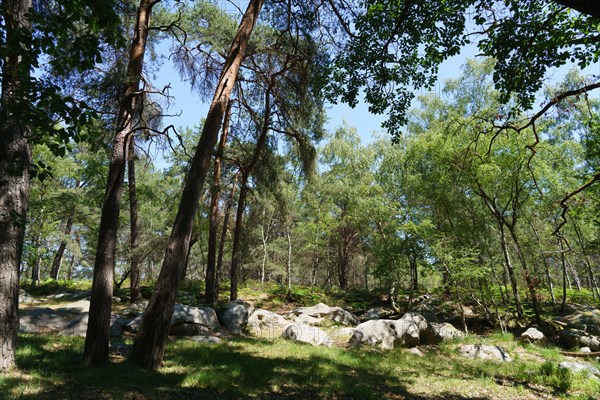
(98, 330)
(546, 268)
(134, 275)
(148, 347)
(564, 274)
(510, 271)
(211, 291)
(289, 259)
(236, 255)
(588, 264)
(223, 239)
(246, 171)
(15, 159)
(265, 237)
(529, 280)
(57, 261)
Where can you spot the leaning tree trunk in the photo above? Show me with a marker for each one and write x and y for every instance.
(15, 159)
(57, 261)
(98, 330)
(211, 291)
(134, 274)
(149, 344)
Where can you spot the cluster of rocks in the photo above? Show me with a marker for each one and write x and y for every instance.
(319, 325)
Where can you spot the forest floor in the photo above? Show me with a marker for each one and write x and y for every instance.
(49, 367)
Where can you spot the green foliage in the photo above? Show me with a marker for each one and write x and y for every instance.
(397, 47)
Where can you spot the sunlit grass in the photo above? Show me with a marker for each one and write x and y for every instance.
(50, 367)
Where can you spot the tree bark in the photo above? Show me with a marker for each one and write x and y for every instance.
(57, 261)
(15, 159)
(148, 347)
(222, 240)
(211, 291)
(563, 305)
(134, 275)
(510, 270)
(98, 330)
(236, 256)
(289, 258)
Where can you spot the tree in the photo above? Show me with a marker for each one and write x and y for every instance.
(33, 105)
(98, 330)
(150, 341)
(395, 47)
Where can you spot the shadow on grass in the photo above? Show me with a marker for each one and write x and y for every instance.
(239, 369)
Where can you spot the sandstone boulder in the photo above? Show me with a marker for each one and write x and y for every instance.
(266, 324)
(533, 335)
(485, 352)
(579, 367)
(307, 334)
(235, 314)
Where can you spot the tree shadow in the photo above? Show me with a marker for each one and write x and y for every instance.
(238, 369)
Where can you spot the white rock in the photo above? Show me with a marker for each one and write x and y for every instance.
(266, 324)
(307, 334)
(235, 315)
(533, 335)
(579, 367)
(485, 352)
(383, 333)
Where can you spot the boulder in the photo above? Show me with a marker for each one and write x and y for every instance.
(307, 334)
(586, 319)
(266, 324)
(308, 319)
(485, 352)
(76, 307)
(73, 296)
(533, 335)
(385, 333)
(320, 311)
(579, 367)
(41, 320)
(25, 297)
(205, 339)
(416, 325)
(205, 316)
(343, 317)
(188, 329)
(186, 321)
(342, 334)
(585, 350)
(377, 313)
(136, 308)
(427, 311)
(235, 314)
(77, 326)
(440, 332)
(576, 338)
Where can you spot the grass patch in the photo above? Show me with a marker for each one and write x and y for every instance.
(247, 368)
